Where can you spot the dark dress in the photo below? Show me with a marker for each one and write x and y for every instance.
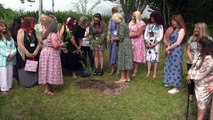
(26, 78)
(173, 64)
(74, 58)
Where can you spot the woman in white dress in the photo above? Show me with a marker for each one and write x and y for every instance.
(153, 35)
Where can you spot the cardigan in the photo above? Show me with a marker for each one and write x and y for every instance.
(7, 47)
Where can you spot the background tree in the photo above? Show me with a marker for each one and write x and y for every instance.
(192, 10)
(81, 6)
(129, 6)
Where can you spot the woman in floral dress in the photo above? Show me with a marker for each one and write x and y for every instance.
(125, 63)
(50, 71)
(153, 35)
(137, 27)
(174, 57)
(201, 73)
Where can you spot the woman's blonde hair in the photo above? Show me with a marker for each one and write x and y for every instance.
(203, 31)
(43, 17)
(138, 16)
(117, 17)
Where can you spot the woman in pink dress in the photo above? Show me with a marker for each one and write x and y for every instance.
(50, 71)
(137, 27)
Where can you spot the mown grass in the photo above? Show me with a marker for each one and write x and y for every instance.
(145, 99)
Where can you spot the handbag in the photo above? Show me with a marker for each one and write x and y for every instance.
(31, 66)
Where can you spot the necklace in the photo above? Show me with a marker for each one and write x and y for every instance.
(31, 38)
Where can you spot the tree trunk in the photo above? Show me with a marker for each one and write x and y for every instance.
(164, 13)
(143, 6)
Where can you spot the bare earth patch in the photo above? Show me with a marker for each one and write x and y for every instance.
(107, 89)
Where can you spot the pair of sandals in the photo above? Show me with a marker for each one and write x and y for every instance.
(49, 92)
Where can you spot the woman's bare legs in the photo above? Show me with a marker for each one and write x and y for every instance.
(149, 65)
(127, 75)
(155, 70)
(136, 65)
(201, 114)
(122, 79)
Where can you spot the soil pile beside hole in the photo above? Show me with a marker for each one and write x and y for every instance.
(107, 89)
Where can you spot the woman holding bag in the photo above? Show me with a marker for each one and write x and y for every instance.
(28, 49)
(50, 70)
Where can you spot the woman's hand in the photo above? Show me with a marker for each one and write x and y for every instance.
(64, 50)
(211, 87)
(61, 44)
(188, 79)
(10, 57)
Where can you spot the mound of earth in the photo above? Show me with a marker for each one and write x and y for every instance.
(107, 89)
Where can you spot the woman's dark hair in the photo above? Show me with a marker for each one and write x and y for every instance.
(157, 17)
(6, 34)
(206, 48)
(16, 26)
(98, 15)
(70, 24)
(27, 24)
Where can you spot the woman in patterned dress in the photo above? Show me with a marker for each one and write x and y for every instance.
(200, 30)
(173, 64)
(153, 35)
(125, 63)
(50, 71)
(98, 29)
(201, 73)
(211, 90)
(137, 27)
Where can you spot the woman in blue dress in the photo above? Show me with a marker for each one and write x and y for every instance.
(113, 29)
(173, 63)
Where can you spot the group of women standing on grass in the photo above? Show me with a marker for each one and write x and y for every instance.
(144, 43)
(130, 45)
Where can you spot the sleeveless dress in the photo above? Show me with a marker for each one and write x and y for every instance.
(27, 79)
(173, 63)
(50, 70)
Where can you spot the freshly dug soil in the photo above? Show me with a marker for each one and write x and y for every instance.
(107, 89)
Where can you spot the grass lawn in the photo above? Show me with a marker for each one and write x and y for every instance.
(145, 99)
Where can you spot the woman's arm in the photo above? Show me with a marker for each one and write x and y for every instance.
(13, 47)
(181, 35)
(166, 36)
(37, 47)
(61, 32)
(20, 41)
(204, 71)
(74, 43)
(138, 32)
(189, 54)
(160, 34)
(146, 35)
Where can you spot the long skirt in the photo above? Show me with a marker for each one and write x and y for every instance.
(27, 79)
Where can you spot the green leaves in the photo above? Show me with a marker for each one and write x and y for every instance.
(96, 41)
